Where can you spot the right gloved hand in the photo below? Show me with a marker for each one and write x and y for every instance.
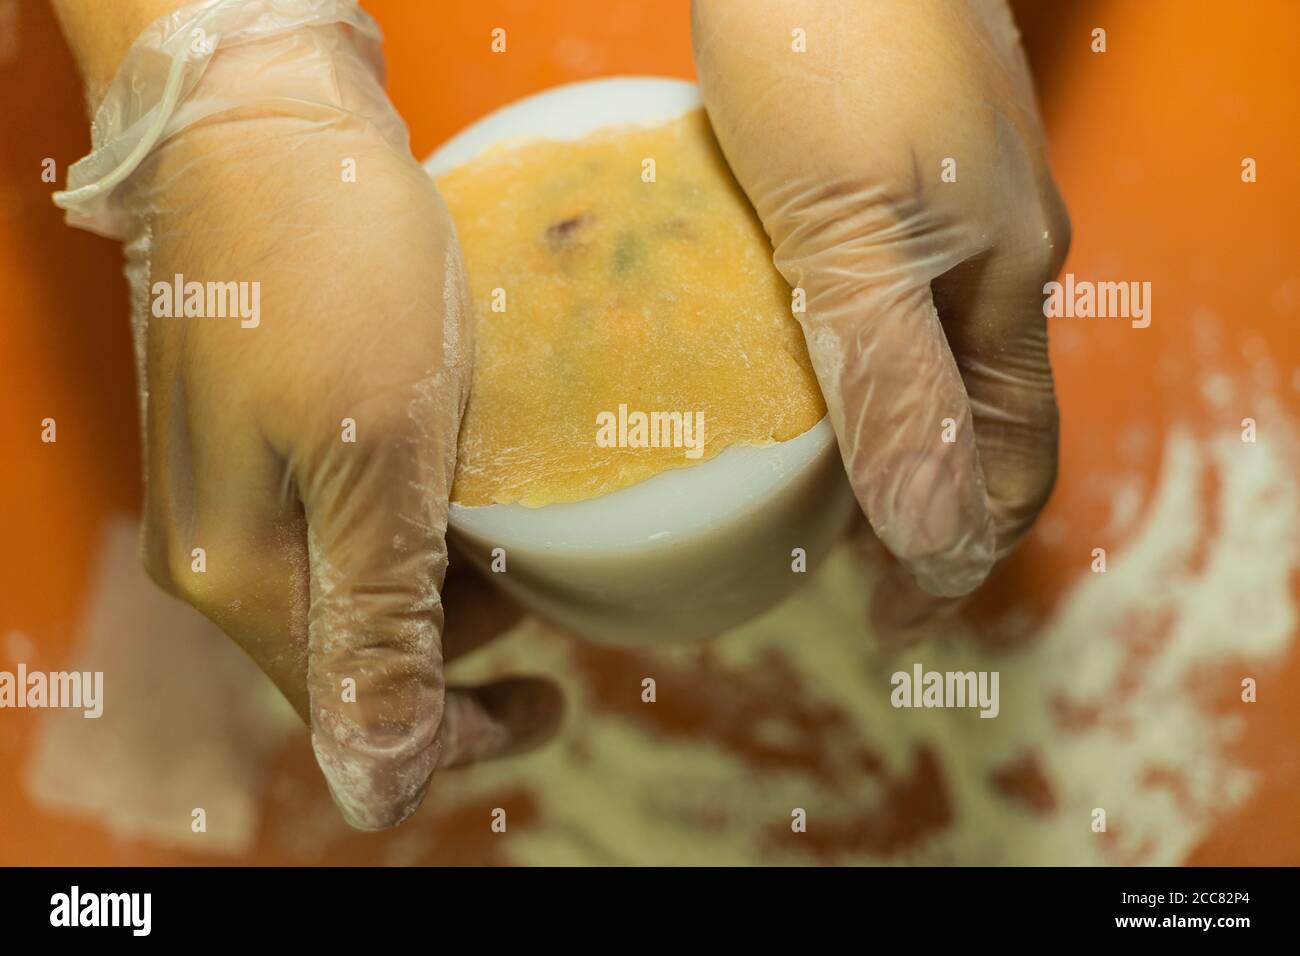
(924, 312)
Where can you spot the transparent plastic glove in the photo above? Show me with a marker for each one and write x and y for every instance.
(923, 297)
(307, 449)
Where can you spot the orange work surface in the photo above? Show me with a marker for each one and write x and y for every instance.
(1159, 469)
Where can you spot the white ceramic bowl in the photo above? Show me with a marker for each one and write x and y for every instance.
(687, 553)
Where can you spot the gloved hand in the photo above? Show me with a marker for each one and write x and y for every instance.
(924, 297)
(306, 445)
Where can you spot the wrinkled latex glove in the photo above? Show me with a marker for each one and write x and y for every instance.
(324, 555)
(924, 298)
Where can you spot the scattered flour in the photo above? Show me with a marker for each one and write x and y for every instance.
(1105, 704)
(1153, 755)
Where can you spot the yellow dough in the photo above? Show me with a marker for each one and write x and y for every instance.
(594, 288)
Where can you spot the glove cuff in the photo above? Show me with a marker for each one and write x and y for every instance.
(153, 94)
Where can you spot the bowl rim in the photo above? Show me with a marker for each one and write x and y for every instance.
(605, 103)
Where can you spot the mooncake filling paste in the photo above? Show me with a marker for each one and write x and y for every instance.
(629, 318)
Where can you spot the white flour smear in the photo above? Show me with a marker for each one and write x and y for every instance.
(1211, 594)
(189, 721)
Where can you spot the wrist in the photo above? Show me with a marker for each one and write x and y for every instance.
(214, 60)
(99, 34)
